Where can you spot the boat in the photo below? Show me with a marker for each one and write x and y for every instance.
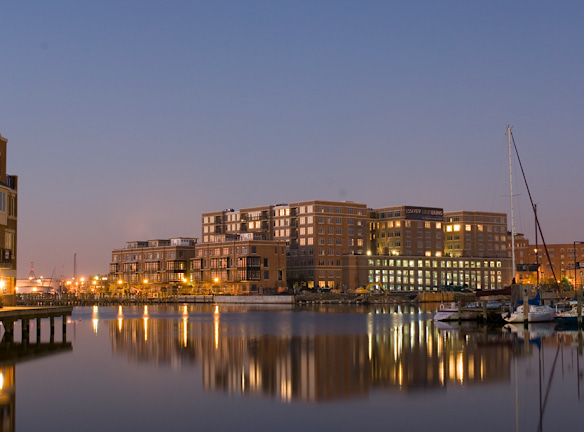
(567, 317)
(447, 313)
(534, 314)
(470, 312)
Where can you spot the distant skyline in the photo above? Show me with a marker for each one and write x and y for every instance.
(127, 120)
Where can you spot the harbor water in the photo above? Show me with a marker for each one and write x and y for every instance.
(220, 368)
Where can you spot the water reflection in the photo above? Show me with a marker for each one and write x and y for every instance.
(11, 353)
(7, 398)
(391, 354)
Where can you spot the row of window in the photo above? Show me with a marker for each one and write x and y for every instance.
(490, 219)
(433, 263)
(424, 281)
(145, 279)
(147, 256)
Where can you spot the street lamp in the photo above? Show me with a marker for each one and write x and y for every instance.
(575, 270)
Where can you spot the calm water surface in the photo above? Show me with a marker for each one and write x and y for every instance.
(202, 367)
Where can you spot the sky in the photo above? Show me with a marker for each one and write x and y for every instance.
(127, 119)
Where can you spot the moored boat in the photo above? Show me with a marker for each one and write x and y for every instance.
(447, 313)
(534, 314)
(567, 317)
(453, 313)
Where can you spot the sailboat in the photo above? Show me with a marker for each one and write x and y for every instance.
(535, 312)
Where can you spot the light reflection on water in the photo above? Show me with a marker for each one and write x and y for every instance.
(341, 367)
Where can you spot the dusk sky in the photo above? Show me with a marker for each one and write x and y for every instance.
(126, 120)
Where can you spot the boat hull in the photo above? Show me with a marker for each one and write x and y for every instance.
(535, 314)
(569, 317)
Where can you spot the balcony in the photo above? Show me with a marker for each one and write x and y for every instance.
(11, 181)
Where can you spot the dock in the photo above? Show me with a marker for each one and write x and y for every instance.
(10, 315)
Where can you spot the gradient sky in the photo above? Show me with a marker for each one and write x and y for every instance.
(126, 119)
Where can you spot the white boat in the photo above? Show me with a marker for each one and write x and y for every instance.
(534, 314)
(452, 313)
(446, 313)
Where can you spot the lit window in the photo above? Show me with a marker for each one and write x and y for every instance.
(467, 227)
(456, 227)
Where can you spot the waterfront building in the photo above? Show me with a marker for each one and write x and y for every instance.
(156, 267)
(562, 257)
(243, 263)
(8, 223)
(406, 230)
(319, 234)
(416, 273)
(316, 234)
(475, 234)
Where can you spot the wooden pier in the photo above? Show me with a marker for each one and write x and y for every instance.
(9, 315)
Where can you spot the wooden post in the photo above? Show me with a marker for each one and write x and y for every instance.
(52, 340)
(38, 338)
(579, 307)
(525, 306)
(25, 331)
(8, 330)
(64, 328)
(484, 311)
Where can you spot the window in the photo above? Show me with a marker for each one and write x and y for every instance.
(9, 240)
(12, 206)
(266, 262)
(266, 275)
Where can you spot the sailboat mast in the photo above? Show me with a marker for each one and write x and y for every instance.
(536, 245)
(511, 196)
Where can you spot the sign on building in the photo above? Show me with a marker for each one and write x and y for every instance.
(424, 213)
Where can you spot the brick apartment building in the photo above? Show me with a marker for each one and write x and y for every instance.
(8, 231)
(153, 266)
(333, 244)
(566, 259)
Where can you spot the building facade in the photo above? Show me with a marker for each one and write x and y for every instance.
(475, 234)
(8, 225)
(319, 234)
(415, 273)
(566, 259)
(315, 233)
(153, 267)
(406, 230)
(239, 264)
